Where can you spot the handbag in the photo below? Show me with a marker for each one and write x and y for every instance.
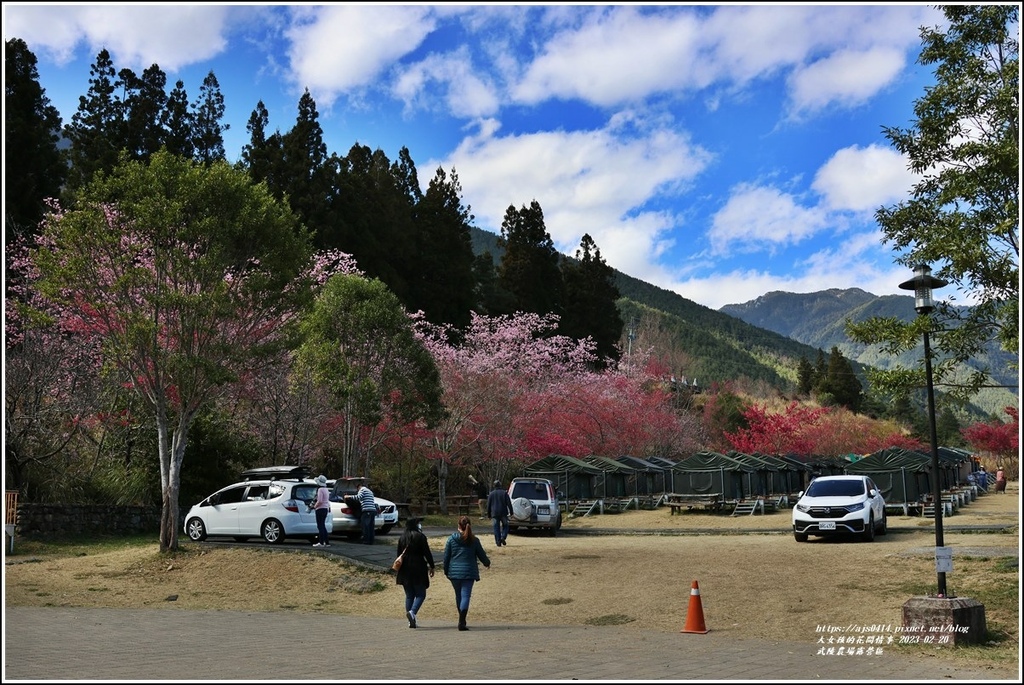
(398, 560)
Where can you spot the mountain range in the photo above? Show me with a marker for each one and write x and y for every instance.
(763, 339)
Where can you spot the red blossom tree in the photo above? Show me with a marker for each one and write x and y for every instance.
(998, 438)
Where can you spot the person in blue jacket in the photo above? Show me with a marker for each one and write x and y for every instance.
(462, 551)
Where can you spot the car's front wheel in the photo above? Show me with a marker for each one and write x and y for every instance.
(869, 530)
(272, 531)
(196, 530)
(884, 528)
(384, 530)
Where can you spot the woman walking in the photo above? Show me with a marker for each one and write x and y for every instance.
(417, 567)
(461, 552)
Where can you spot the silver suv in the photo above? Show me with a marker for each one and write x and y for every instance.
(534, 505)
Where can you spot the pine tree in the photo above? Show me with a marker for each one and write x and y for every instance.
(590, 301)
(530, 268)
(144, 102)
(95, 129)
(804, 376)
(842, 383)
(34, 167)
(208, 131)
(444, 278)
(178, 134)
(304, 155)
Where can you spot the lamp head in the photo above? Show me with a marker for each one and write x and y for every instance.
(922, 284)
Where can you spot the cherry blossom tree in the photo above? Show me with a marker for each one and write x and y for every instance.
(1001, 439)
(492, 374)
(185, 277)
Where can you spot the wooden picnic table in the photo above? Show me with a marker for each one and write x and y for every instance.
(711, 501)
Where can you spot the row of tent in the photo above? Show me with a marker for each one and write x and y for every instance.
(904, 476)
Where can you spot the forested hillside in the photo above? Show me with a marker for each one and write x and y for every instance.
(818, 319)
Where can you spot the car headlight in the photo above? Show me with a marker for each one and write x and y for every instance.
(855, 507)
(802, 508)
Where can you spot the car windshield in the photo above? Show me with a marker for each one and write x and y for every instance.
(835, 488)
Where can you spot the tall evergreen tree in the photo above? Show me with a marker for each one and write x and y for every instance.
(804, 376)
(95, 129)
(530, 268)
(304, 155)
(262, 153)
(489, 297)
(34, 168)
(841, 382)
(372, 219)
(144, 102)
(178, 134)
(590, 301)
(208, 131)
(444, 279)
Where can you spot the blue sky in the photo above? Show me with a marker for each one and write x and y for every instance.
(718, 151)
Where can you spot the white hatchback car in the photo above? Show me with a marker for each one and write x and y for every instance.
(273, 503)
(840, 505)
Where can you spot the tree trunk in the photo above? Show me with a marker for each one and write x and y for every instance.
(442, 485)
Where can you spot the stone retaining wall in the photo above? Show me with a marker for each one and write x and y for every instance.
(64, 520)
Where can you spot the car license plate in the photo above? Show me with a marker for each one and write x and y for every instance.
(827, 525)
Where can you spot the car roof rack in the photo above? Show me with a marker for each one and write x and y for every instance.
(271, 472)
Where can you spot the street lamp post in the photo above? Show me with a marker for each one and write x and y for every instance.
(922, 284)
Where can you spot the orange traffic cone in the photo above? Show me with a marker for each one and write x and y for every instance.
(695, 613)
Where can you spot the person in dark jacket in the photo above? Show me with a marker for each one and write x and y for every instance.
(499, 508)
(417, 567)
(461, 553)
(480, 492)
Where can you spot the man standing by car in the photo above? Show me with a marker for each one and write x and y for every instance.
(499, 508)
(368, 509)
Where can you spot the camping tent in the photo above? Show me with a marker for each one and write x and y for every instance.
(650, 477)
(574, 478)
(619, 479)
(765, 480)
(902, 475)
(706, 473)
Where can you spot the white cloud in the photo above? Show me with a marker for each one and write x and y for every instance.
(619, 56)
(847, 78)
(585, 181)
(467, 91)
(758, 217)
(862, 179)
(342, 48)
(172, 36)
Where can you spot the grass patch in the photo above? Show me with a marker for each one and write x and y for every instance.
(57, 547)
(557, 600)
(610, 620)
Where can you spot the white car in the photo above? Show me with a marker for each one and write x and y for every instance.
(345, 509)
(273, 503)
(840, 505)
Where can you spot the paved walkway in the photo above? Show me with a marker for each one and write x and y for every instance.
(172, 645)
(181, 645)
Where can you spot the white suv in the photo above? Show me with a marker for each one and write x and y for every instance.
(840, 505)
(534, 505)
